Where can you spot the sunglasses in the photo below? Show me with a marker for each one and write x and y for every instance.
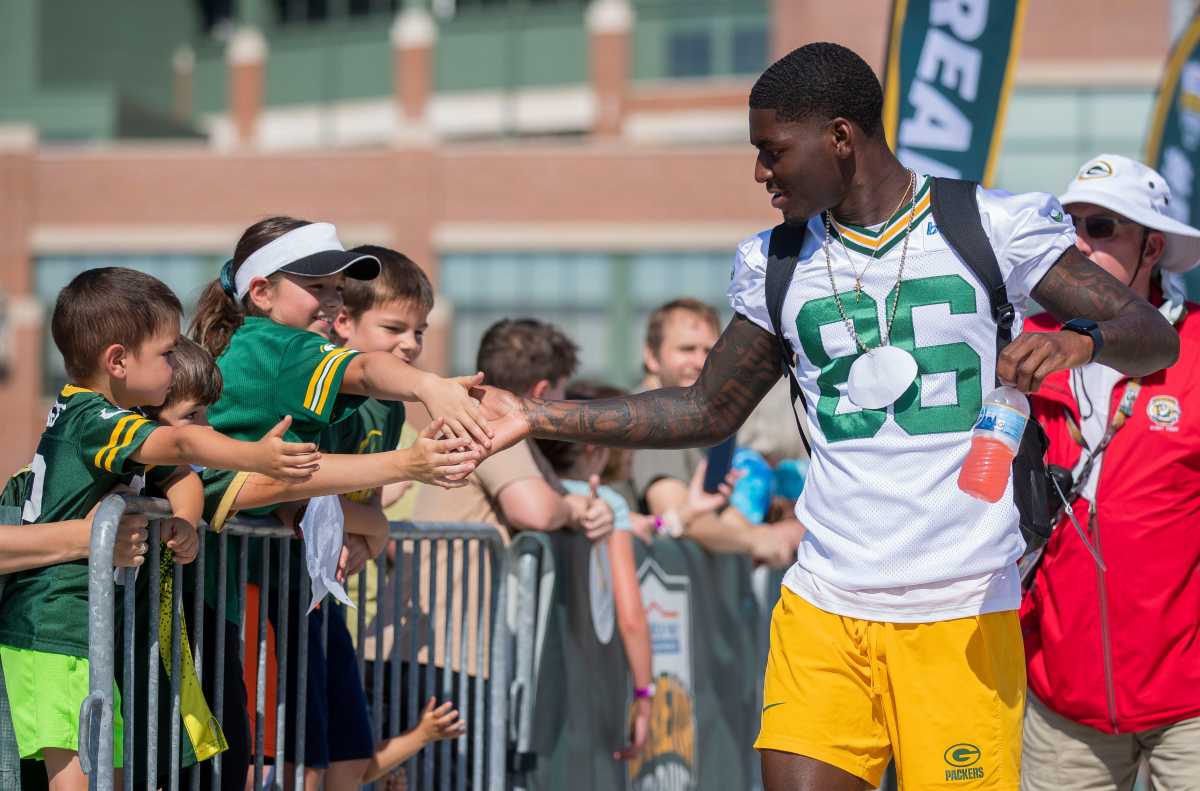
(1100, 226)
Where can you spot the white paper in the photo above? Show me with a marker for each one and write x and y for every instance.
(880, 376)
(322, 526)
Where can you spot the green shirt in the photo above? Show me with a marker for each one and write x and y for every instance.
(374, 427)
(84, 452)
(272, 370)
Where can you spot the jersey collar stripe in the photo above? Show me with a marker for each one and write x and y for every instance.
(334, 364)
(366, 443)
(891, 242)
(70, 390)
(112, 439)
(318, 373)
(130, 431)
(886, 234)
(901, 214)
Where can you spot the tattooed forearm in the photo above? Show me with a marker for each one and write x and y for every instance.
(1137, 339)
(741, 368)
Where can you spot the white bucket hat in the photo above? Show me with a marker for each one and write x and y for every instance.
(1141, 194)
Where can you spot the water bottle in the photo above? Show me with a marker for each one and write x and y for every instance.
(994, 443)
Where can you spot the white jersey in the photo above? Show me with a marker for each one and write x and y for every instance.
(890, 536)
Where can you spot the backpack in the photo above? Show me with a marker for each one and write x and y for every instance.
(956, 212)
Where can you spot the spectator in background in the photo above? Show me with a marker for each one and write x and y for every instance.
(678, 338)
(1111, 621)
(771, 465)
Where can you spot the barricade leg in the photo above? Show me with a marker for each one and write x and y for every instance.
(281, 655)
(499, 673)
(198, 634)
(128, 698)
(152, 659)
(413, 554)
(176, 670)
(260, 685)
(302, 597)
(219, 647)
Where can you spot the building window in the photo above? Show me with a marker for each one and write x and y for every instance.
(689, 54)
(601, 300)
(749, 50)
(187, 275)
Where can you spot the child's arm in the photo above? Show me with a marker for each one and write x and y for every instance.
(271, 455)
(635, 635)
(185, 493)
(367, 521)
(24, 547)
(436, 724)
(436, 461)
(385, 376)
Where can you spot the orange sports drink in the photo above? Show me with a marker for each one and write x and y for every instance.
(994, 443)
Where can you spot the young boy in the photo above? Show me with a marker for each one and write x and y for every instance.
(116, 329)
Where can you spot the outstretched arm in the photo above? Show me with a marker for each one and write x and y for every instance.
(741, 368)
(1137, 339)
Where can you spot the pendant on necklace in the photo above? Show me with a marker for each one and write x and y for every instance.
(857, 289)
(879, 376)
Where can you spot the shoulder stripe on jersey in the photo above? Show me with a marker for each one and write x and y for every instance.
(329, 376)
(327, 381)
(313, 394)
(113, 438)
(130, 431)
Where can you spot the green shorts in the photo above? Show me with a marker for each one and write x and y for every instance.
(45, 692)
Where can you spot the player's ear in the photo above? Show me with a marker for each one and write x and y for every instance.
(112, 360)
(539, 388)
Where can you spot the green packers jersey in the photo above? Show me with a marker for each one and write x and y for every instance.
(375, 426)
(272, 370)
(85, 451)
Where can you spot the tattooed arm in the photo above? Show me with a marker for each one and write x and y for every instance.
(1137, 339)
(740, 369)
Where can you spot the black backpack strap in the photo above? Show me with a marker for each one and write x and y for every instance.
(956, 212)
(783, 252)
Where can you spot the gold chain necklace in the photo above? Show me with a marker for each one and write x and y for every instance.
(886, 340)
(858, 276)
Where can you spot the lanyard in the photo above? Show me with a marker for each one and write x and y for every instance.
(1132, 388)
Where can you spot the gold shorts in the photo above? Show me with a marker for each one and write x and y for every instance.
(944, 698)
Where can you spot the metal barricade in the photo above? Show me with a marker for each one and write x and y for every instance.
(442, 603)
(534, 576)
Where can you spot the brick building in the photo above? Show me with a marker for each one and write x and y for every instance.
(580, 160)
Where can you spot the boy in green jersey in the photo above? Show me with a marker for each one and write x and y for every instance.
(116, 329)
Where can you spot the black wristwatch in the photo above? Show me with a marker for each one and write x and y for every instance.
(1089, 328)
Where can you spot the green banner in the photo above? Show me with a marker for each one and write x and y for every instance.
(949, 70)
(1173, 146)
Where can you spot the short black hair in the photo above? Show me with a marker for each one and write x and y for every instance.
(108, 305)
(821, 80)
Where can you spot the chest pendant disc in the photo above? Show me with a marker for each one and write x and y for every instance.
(879, 376)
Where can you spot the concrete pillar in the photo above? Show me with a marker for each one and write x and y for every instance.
(246, 57)
(414, 34)
(183, 68)
(609, 26)
(21, 379)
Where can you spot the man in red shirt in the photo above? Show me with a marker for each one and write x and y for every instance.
(1112, 617)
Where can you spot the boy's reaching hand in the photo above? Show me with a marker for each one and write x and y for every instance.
(181, 538)
(442, 462)
(441, 722)
(451, 399)
(287, 461)
(133, 535)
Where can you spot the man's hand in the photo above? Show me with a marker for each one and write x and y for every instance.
(505, 415)
(702, 502)
(1032, 356)
(180, 537)
(452, 399)
(287, 461)
(133, 535)
(772, 546)
(441, 462)
(639, 731)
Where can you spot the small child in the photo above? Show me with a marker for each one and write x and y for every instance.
(116, 329)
